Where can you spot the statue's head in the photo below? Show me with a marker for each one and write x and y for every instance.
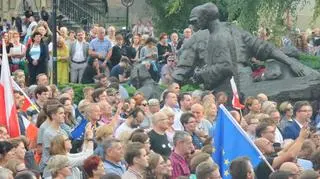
(201, 15)
(194, 18)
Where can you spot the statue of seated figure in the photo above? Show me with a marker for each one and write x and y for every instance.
(220, 50)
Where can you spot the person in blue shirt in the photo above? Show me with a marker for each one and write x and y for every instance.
(118, 71)
(100, 48)
(113, 155)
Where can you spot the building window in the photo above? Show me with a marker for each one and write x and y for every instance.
(12, 4)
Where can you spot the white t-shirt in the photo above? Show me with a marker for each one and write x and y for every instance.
(123, 128)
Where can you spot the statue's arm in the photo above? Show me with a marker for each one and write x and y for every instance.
(186, 65)
(212, 75)
(264, 50)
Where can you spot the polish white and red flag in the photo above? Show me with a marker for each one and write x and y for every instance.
(235, 99)
(8, 113)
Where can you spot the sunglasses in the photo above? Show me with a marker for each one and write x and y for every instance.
(144, 104)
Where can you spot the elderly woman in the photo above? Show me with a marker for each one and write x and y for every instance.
(94, 168)
(170, 131)
(59, 167)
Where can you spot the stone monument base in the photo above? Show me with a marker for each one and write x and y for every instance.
(286, 87)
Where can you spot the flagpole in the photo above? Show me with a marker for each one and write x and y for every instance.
(241, 114)
(245, 135)
(25, 95)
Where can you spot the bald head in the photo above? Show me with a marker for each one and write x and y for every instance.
(198, 111)
(290, 167)
(158, 117)
(101, 33)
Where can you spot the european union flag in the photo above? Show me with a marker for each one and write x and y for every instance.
(231, 142)
(78, 132)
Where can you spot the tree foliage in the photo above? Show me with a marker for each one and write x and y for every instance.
(249, 14)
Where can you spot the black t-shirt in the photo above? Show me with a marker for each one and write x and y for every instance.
(161, 51)
(262, 171)
(159, 143)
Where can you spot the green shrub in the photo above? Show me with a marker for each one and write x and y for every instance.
(189, 88)
(130, 89)
(310, 61)
(78, 90)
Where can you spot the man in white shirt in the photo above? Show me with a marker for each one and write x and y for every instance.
(185, 102)
(275, 116)
(135, 118)
(79, 54)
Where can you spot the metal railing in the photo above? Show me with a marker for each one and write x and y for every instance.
(83, 13)
(75, 12)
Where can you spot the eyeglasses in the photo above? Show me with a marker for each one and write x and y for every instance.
(144, 104)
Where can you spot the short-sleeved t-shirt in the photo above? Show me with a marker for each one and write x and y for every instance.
(48, 135)
(42, 128)
(116, 71)
(100, 46)
(160, 143)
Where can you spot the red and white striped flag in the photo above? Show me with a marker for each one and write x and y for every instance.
(8, 113)
(27, 103)
(235, 99)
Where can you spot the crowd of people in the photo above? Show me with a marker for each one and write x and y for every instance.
(111, 135)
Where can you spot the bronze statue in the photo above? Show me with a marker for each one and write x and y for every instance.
(220, 50)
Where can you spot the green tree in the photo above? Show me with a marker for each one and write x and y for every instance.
(173, 14)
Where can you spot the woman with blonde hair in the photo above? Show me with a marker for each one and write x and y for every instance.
(170, 131)
(210, 111)
(61, 145)
(63, 61)
(102, 133)
(111, 31)
(59, 167)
